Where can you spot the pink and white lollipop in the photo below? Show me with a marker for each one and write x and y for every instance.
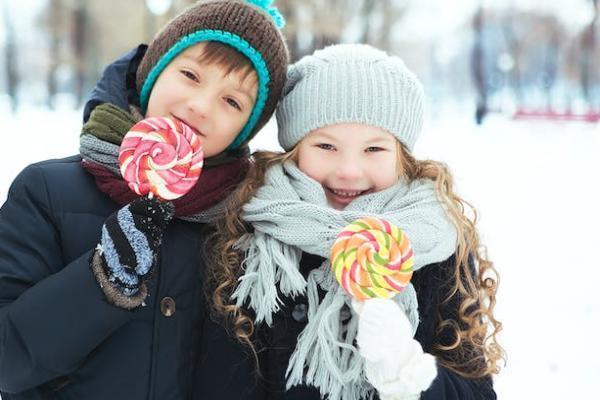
(161, 157)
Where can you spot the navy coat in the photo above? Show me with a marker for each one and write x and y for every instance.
(60, 339)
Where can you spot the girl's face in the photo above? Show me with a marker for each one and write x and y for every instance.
(349, 160)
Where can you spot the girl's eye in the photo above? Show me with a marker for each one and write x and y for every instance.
(374, 149)
(190, 75)
(325, 146)
(233, 104)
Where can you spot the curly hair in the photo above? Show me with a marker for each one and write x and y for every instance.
(475, 352)
(224, 259)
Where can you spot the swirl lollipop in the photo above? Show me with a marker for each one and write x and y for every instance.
(161, 157)
(372, 258)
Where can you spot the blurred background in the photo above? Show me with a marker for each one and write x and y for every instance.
(513, 107)
(527, 57)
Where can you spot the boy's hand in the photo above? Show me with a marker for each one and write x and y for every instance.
(394, 362)
(131, 239)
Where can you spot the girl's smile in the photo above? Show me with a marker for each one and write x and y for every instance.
(344, 196)
(349, 161)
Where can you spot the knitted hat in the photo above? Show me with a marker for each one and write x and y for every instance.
(350, 83)
(251, 27)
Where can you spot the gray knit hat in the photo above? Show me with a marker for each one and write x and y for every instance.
(350, 83)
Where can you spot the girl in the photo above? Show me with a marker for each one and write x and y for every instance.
(348, 120)
(81, 316)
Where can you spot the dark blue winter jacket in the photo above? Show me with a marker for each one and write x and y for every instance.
(60, 339)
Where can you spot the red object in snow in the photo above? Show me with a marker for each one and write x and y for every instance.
(558, 116)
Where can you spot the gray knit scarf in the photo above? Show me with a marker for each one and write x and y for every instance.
(290, 215)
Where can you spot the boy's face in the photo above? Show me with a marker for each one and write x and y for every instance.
(202, 96)
(349, 161)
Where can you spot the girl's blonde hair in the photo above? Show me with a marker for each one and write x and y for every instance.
(475, 352)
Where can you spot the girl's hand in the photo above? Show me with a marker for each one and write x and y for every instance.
(394, 362)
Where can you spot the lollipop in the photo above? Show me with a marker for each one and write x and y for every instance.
(161, 157)
(372, 258)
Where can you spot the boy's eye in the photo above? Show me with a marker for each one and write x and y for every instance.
(325, 146)
(374, 149)
(233, 103)
(190, 75)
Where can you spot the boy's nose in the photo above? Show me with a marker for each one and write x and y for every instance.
(200, 106)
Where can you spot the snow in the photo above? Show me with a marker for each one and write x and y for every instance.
(33, 135)
(535, 187)
(534, 184)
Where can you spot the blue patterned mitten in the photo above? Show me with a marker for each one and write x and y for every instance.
(129, 248)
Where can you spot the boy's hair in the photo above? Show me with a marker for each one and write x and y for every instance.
(250, 27)
(226, 57)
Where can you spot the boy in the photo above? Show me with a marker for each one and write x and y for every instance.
(70, 332)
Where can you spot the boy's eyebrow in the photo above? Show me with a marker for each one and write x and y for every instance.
(190, 57)
(237, 88)
(243, 91)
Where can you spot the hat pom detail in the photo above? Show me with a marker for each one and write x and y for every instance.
(273, 11)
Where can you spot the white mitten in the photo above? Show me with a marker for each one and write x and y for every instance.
(394, 362)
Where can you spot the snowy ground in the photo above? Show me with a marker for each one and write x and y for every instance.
(535, 186)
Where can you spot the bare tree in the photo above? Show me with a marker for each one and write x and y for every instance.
(515, 46)
(53, 21)
(386, 13)
(588, 65)
(79, 41)
(391, 14)
(328, 19)
(289, 11)
(10, 59)
(313, 24)
(367, 10)
(478, 67)
(551, 60)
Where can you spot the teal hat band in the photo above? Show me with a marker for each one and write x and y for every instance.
(232, 40)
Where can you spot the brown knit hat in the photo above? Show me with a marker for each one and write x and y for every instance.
(251, 27)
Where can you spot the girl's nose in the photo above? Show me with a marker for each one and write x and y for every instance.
(349, 169)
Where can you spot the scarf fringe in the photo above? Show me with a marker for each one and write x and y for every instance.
(262, 271)
(325, 356)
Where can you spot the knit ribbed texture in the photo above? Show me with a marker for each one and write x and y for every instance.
(350, 83)
(250, 28)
